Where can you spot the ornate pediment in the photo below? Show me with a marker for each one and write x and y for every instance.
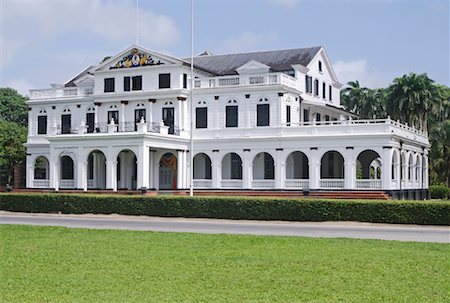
(135, 58)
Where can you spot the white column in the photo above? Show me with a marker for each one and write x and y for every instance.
(314, 170)
(122, 115)
(425, 176)
(54, 172)
(82, 175)
(30, 172)
(185, 170)
(386, 169)
(216, 169)
(247, 167)
(349, 169)
(111, 174)
(180, 164)
(151, 177)
(280, 170)
(142, 167)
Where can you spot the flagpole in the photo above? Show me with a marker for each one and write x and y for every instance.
(191, 94)
(137, 22)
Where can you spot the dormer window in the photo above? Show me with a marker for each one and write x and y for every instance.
(320, 66)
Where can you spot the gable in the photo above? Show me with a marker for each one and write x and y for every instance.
(327, 68)
(136, 56)
(253, 67)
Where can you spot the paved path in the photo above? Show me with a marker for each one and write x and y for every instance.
(414, 233)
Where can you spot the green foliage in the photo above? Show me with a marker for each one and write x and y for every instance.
(413, 99)
(240, 208)
(13, 107)
(439, 191)
(56, 264)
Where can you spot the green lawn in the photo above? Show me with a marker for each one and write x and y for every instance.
(52, 264)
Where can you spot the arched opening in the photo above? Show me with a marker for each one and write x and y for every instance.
(67, 173)
(332, 165)
(263, 171)
(96, 170)
(418, 171)
(231, 171)
(410, 168)
(41, 168)
(202, 166)
(297, 166)
(297, 171)
(394, 168)
(126, 170)
(368, 170)
(168, 171)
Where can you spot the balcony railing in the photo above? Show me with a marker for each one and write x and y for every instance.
(332, 183)
(202, 183)
(41, 183)
(246, 80)
(368, 184)
(231, 183)
(63, 92)
(66, 183)
(296, 184)
(263, 184)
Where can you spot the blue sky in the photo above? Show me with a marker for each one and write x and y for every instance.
(373, 41)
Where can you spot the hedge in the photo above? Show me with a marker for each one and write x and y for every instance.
(439, 191)
(250, 208)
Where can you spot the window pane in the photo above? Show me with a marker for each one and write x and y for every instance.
(201, 117)
(66, 124)
(262, 115)
(90, 121)
(330, 95)
(137, 83)
(168, 118)
(305, 115)
(164, 80)
(316, 87)
(231, 116)
(184, 80)
(42, 125)
(126, 84)
(324, 86)
(288, 115)
(109, 85)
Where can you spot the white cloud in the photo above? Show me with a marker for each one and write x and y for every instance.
(249, 41)
(286, 3)
(35, 22)
(359, 70)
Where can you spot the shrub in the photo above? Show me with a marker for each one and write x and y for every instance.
(439, 191)
(250, 208)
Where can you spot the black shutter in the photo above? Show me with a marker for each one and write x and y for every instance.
(126, 84)
(201, 117)
(184, 80)
(231, 116)
(137, 83)
(42, 125)
(288, 115)
(262, 115)
(66, 124)
(90, 121)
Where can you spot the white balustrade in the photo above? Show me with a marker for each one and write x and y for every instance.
(296, 184)
(202, 183)
(368, 184)
(332, 183)
(66, 183)
(90, 183)
(263, 184)
(232, 183)
(41, 183)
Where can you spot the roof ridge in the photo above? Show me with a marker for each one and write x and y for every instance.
(265, 51)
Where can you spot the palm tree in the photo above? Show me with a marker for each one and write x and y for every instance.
(410, 98)
(352, 96)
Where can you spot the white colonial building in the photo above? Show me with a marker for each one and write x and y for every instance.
(263, 120)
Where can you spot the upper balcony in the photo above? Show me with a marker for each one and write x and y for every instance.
(247, 80)
(61, 92)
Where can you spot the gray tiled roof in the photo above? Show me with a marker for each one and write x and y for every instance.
(278, 60)
(71, 83)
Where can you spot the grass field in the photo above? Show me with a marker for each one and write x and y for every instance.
(52, 264)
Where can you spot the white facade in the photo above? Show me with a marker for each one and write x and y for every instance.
(276, 124)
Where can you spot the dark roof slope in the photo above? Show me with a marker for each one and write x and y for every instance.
(71, 82)
(278, 60)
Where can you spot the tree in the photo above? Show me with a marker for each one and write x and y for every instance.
(13, 130)
(352, 97)
(13, 107)
(410, 98)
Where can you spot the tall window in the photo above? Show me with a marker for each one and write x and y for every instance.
(236, 167)
(201, 117)
(231, 116)
(316, 87)
(109, 85)
(66, 168)
(330, 94)
(318, 117)
(126, 84)
(269, 173)
(42, 125)
(168, 114)
(308, 84)
(164, 80)
(263, 115)
(137, 82)
(90, 121)
(288, 115)
(305, 115)
(66, 124)
(184, 80)
(324, 90)
(138, 115)
(320, 66)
